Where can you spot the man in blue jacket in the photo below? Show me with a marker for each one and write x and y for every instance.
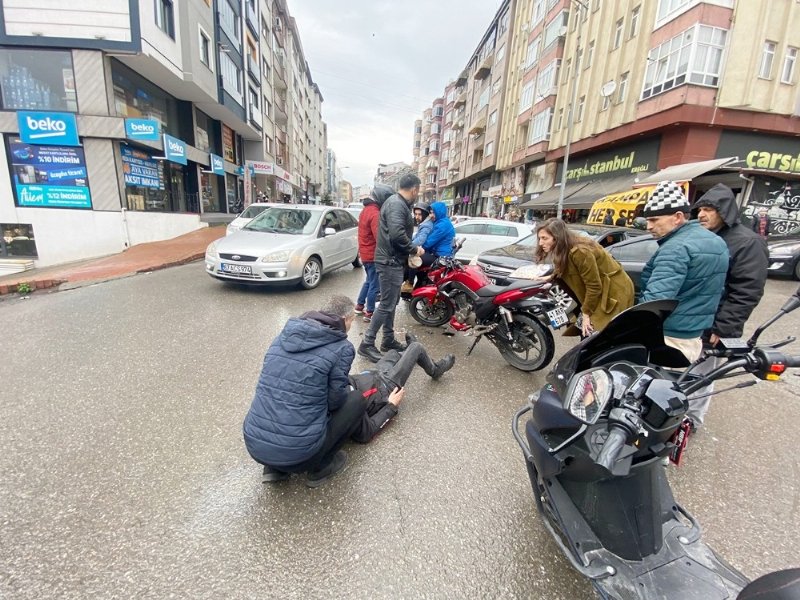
(689, 266)
(440, 239)
(303, 411)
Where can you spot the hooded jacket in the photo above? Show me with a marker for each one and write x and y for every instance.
(423, 231)
(368, 222)
(689, 266)
(303, 379)
(440, 239)
(395, 228)
(747, 268)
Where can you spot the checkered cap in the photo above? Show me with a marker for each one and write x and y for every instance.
(666, 199)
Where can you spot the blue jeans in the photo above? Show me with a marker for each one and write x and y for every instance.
(369, 291)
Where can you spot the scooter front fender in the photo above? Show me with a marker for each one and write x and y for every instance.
(426, 291)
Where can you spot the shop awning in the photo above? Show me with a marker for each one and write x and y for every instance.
(688, 171)
(549, 198)
(600, 188)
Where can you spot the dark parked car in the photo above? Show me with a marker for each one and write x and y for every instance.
(784, 256)
(633, 255)
(500, 262)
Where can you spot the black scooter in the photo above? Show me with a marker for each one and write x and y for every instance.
(613, 408)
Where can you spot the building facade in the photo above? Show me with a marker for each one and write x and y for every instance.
(632, 88)
(129, 125)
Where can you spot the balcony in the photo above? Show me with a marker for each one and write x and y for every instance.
(462, 77)
(253, 70)
(279, 68)
(478, 127)
(485, 67)
(281, 117)
(251, 17)
(461, 99)
(255, 117)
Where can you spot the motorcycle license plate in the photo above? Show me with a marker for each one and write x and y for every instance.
(558, 317)
(229, 268)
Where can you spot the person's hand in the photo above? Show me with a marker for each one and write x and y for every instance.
(420, 250)
(396, 397)
(713, 340)
(586, 325)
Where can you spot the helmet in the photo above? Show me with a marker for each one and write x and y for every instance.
(424, 207)
(640, 223)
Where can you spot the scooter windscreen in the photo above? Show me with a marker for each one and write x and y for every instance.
(636, 334)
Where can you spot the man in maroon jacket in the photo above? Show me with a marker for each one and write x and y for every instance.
(367, 239)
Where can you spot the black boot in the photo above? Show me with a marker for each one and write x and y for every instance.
(443, 366)
(392, 344)
(369, 351)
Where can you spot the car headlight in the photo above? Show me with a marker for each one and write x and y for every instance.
(276, 257)
(588, 395)
(211, 251)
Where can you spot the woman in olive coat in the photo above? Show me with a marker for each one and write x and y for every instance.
(599, 283)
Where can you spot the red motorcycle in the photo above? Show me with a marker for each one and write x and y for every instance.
(515, 318)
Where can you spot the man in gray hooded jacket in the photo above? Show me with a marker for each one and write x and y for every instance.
(716, 210)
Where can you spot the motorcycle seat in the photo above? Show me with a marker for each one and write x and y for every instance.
(494, 290)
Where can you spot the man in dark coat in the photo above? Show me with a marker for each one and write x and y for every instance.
(303, 411)
(395, 228)
(716, 210)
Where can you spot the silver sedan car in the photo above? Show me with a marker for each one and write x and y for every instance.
(293, 243)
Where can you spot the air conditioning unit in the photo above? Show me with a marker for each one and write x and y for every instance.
(278, 25)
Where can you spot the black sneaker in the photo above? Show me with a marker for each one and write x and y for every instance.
(392, 344)
(443, 366)
(317, 478)
(273, 475)
(369, 351)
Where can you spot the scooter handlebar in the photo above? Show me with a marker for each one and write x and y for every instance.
(615, 442)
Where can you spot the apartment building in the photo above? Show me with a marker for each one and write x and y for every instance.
(129, 123)
(703, 91)
(467, 124)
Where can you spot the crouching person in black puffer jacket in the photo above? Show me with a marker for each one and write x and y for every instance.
(306, 406)
(303, 411)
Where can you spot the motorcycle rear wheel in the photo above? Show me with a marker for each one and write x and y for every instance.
(532, 347)
(432, 314)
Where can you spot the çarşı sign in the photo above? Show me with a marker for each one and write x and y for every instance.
(48, 128)
(49, 176)
(761, 152)
(142, 129)
(139, 169)
(174, 150)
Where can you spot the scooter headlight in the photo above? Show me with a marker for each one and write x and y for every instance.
(588, 395)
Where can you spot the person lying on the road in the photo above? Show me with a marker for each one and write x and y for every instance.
(306, 407)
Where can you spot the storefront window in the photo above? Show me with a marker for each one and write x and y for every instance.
(152, 185)
(203, 134)
(37, 80)
(209, 190)
(136, 97)
(17, 240)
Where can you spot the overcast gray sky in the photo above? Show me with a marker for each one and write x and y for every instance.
(379, 64)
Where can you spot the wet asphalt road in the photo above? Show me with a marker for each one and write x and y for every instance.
(123, 473)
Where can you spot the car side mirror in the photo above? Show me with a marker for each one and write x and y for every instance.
(329, 231)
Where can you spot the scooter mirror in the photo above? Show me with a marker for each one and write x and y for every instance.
(588, 394)
(792, 303)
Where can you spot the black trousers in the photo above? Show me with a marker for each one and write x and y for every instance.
(373, 387)
(341, 425)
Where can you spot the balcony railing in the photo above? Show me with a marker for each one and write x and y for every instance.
(253, 69)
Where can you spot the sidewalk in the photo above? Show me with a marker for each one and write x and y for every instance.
(137, 259)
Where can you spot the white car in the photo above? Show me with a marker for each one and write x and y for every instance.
(482, 234)
(247, 215)
(288, 243)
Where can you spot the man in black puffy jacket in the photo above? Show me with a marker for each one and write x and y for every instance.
(716, 210)
(395, 229)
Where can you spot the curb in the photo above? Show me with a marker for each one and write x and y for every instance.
(41, 284)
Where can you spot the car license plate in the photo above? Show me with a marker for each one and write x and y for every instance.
(228, 268)
(558, 317)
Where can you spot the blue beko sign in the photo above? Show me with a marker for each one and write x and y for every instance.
(48, 128)
(174, 150)
(217, 164)
(142, 129)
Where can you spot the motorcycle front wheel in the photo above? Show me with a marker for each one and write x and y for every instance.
(531, 347)
(430, 313)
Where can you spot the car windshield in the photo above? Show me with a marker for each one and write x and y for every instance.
(286, 221)
(253, 211)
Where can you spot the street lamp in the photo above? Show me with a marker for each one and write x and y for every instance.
(571, 113)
